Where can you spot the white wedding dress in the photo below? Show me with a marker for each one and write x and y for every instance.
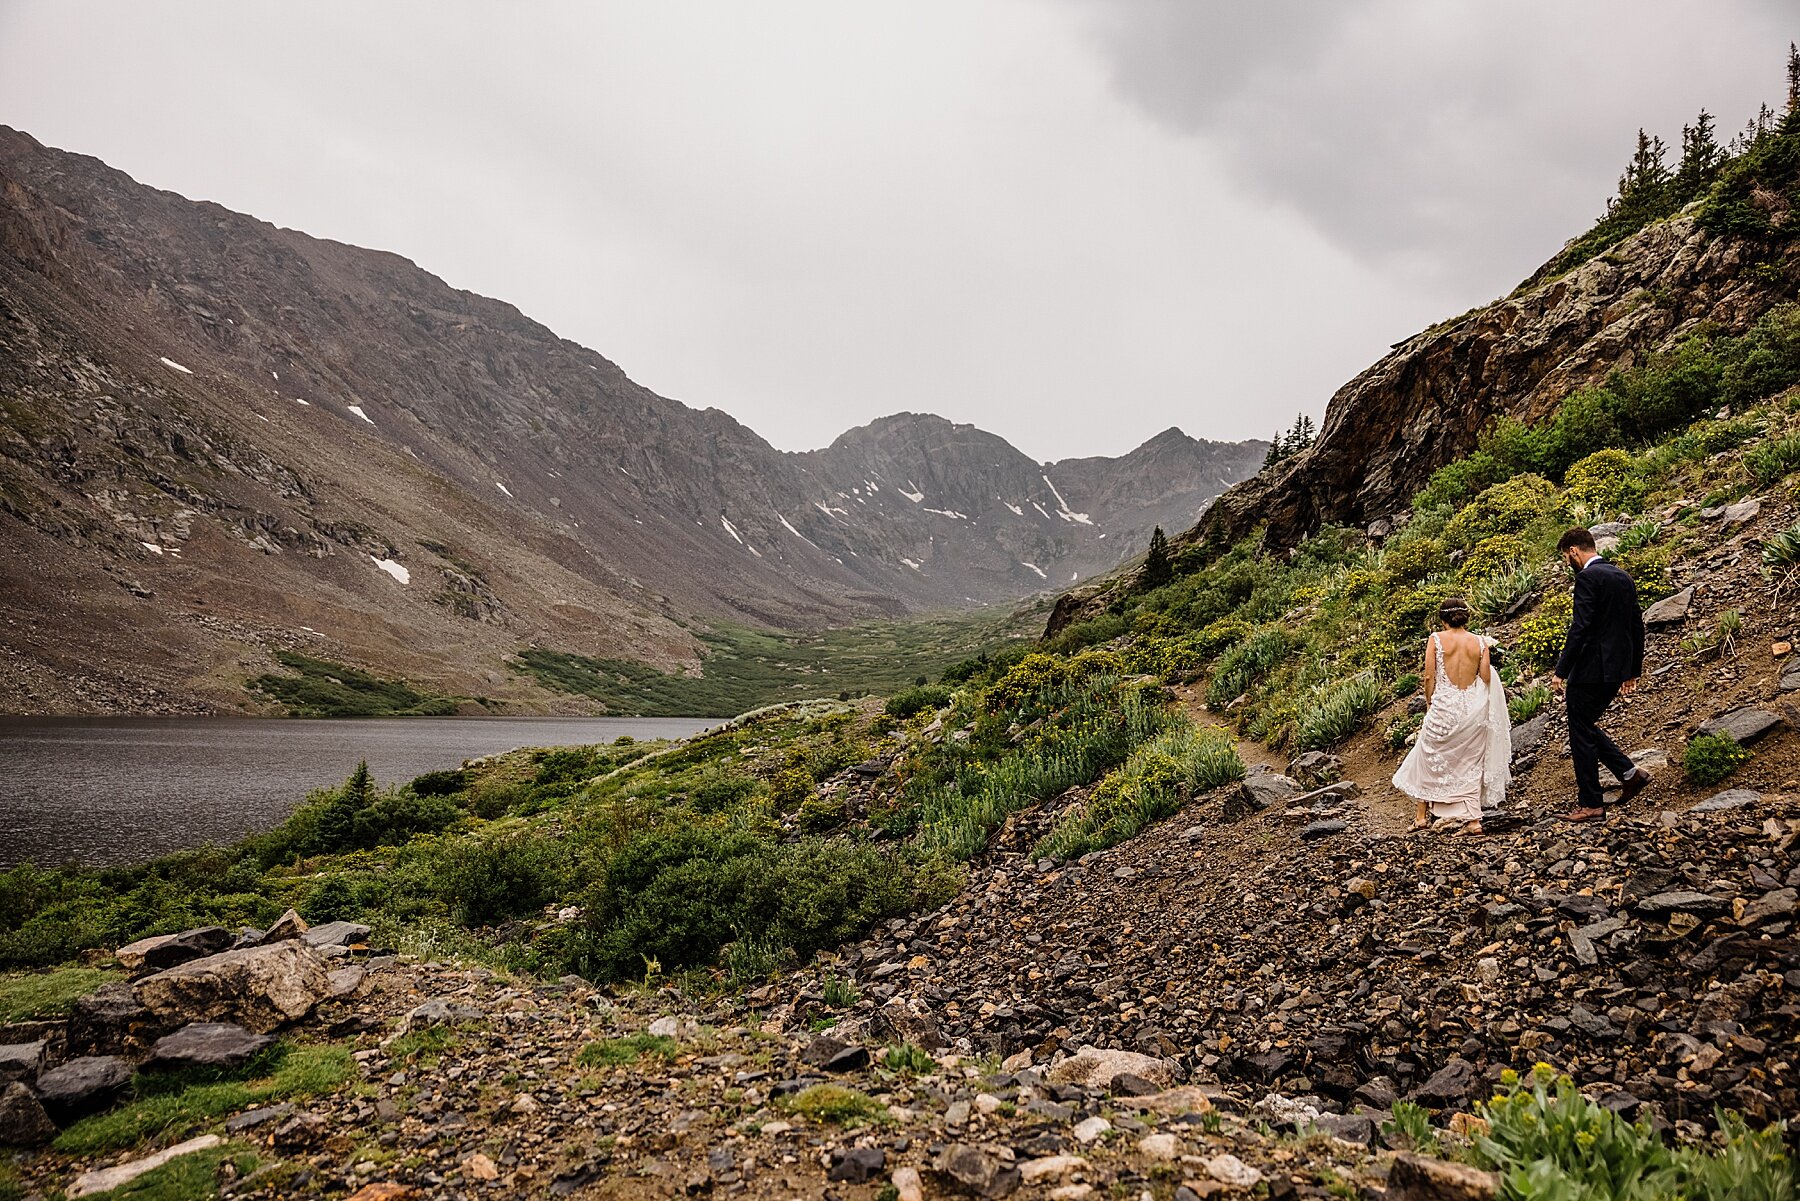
(1462, 761)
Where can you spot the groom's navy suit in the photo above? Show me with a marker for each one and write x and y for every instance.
(1605, 648)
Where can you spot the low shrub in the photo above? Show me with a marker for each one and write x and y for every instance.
(1527, 704)
(1402, 728)
(836, 1104)
(1601, 480)
(1146, 788)
(1774, 460)
(903, 705)
(679, 893)
(1246, 663)
(720, 787)
(1541, 635)
(1415, 558)
(1505, 508)
(1710, 758)
(511, 874)
(1337, 711)
(1547, 1140)
(1491, 558)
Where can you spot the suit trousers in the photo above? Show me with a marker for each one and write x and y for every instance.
(1589, 746)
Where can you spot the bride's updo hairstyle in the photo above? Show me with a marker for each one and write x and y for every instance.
(1454, 612)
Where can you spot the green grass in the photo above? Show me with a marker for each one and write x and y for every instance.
(838, 1105)
(1179, 763)
(744, 669)
(42, 995)
(426, 1045)
(190, 1178)
(617, 1052)
(167, 1110)
(321, 688)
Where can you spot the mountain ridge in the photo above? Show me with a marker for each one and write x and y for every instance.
(194, 398)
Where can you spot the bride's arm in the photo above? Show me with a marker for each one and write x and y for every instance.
(1428, 673)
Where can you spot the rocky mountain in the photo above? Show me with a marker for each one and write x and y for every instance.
(1427, 401)
(218, 437)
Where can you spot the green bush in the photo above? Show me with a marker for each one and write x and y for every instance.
(1415, 558)
(487, 879)
(1246, 663)
(1506, 508)
(1336, 712)
(680, 893)
(1495, 595)
(1491, 558)
(1148, 787)
(1547, 1140)
(1600, 480)
(790, 787)
(720, 787)
(1541, 635)
(1710, 758)
(1774, 460)
(903, 705)
(819, 814)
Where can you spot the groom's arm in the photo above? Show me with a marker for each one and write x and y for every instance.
(1580, 624)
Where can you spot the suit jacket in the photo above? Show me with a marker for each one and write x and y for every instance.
(1606, 635)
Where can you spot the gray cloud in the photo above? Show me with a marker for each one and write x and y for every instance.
(1074, 223)
(1460, 143)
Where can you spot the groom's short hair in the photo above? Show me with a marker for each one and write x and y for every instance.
(1579, 538)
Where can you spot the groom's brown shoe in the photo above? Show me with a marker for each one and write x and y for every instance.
(1636, 782)
(1584, 815)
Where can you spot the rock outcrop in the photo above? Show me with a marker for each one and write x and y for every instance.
(1424, 404)
(260, 988)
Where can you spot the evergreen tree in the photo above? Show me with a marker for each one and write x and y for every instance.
(1700, 158)
(1157, 568)
(1793, 99)
(1276, 452)
(1646, 178)
(1306, 432)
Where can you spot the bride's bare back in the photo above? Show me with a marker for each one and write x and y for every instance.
(1465, 657)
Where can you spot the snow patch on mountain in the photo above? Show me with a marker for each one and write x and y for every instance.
(172, 365)
(357, 409)
(1062, 506)
(1034, 567)
(394, 569)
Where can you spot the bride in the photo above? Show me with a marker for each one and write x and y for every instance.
(1463, 758)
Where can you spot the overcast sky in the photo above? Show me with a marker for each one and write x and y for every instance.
(1072, 222)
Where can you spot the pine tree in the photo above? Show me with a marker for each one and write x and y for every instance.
(1700, 158)
(1793, 99)
(1306, 432)
(1646, 176)
(1276, 453)
(1157, 568)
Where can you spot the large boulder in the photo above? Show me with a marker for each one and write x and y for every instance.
(112, 1021)
(1096, 1068)
(1745, 725)
(335, 934)
(22, 1061)
(1420, 1178)
(160, 952)
(1670, 610)
(207, 1045)
(1259, 790)
(23, 1122)
(261, 988)
(82, 1086)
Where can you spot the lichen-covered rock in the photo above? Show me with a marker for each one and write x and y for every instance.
(1096, 1068)
(261, 988)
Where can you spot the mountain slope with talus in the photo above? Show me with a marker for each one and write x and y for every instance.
(219, 438)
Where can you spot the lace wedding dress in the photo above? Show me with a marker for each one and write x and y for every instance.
(1462, 761)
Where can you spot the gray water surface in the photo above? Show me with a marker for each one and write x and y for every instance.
(106, 790)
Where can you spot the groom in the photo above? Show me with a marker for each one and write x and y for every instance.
(1602, 657)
